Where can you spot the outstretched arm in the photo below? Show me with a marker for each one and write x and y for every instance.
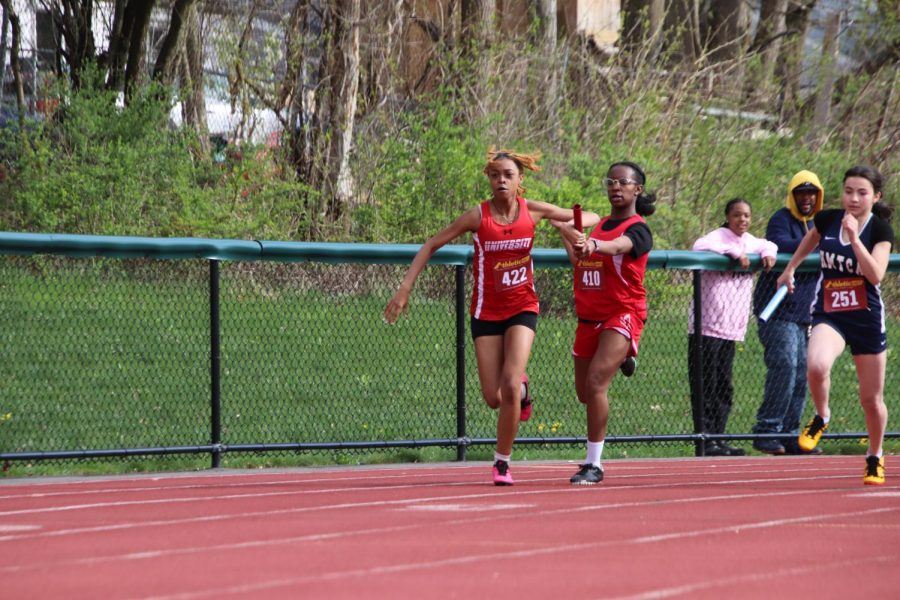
(807, 245)
(545, 210)
(468, 221)
(563, 219)
(621, 245)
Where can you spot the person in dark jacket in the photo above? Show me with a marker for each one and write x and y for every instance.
(785, 334)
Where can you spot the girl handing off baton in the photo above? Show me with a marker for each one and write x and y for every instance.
(504, 305)
(854, 247)
(610, 301)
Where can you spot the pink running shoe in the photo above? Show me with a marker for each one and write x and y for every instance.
(526, 402)
(502, 476)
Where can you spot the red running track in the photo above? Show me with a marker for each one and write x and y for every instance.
(786, 527)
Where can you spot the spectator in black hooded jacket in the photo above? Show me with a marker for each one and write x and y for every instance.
(785, 334)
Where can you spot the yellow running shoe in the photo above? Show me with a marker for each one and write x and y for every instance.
(811, 434)
(874, 474)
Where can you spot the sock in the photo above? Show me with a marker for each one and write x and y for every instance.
(826, 419)
(594, 451)
(504, 457)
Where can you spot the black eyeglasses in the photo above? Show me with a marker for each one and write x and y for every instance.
(622, 181)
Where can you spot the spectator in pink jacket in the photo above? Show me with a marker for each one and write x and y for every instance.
(725, 311)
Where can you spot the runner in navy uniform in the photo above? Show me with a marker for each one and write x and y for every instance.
(854, 248)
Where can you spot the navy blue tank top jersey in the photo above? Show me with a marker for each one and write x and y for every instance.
(842, 289)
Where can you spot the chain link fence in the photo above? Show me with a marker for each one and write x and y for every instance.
(113, 353)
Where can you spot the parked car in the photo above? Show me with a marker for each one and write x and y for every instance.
(259, 126)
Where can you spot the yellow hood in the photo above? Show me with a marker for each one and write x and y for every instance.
(798, 179)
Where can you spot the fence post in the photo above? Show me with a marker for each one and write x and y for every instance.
(460, 362)
(698, 403)
(214, 364)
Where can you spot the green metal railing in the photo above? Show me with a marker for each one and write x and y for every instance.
(119, 346)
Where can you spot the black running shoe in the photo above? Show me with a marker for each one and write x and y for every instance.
(767, 446)
(628, 366)
(587, 474)
(712, 448)
(791, 447)
(730, 450)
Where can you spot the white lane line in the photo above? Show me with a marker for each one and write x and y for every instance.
(214, 497)
(13, 528)
(364, 504)
(510, 555)
(468, 507)
(162, 552)
(878, 494)
(213, 485)
(767, 576)
(665, 470)
(404, 501)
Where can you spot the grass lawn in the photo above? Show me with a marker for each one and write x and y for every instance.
(101, 354)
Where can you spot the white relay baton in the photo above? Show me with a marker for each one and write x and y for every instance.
(780, 293)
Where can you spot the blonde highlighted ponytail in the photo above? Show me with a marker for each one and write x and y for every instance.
(523, 161)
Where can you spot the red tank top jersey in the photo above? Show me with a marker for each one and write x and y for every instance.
(609, 285)
(502, 268)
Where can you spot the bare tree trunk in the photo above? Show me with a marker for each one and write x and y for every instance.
(293, 94)
(729, 27)
(119, 40)
(767, 43)
(884, 51)
(635, 14)
(194, 106)
(4, 40)
(75, 24)
(681, 26)
(545, 28)
(826, 77)
(892, 139)
(430, 34)
(477, 21)
(478, 18)
(134, 66)
(642, 21)
(383, 56)
(344, 115)
(790, 62)
(336, 109)
(166, 62)
(16, 29)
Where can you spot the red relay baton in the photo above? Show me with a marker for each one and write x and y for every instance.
(576, 210)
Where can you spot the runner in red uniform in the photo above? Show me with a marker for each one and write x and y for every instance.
(502, 269)
(610, 301)
(504, 304)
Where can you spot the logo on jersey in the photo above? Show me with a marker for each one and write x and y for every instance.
(591, 263)
(502, 245)
(839, 263)
(512, 264)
